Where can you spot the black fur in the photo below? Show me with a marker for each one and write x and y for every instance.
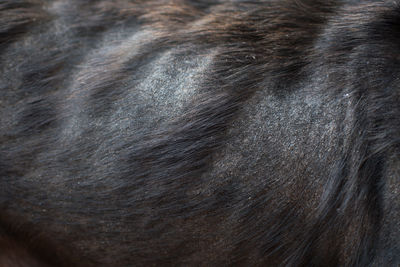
(249, 133)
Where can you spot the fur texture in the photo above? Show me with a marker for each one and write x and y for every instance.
(202, 133)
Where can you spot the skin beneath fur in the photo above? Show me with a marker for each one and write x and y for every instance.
(199, 133)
